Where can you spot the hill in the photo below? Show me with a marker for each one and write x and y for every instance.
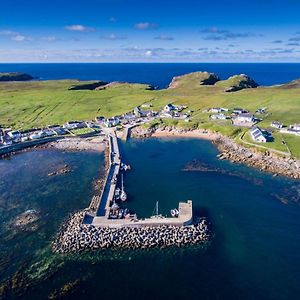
(193, 80)
(14, 76)
(237, 83)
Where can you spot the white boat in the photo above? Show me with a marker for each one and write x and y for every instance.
(123, 195)
(174, 213)
(125, 167)
(117, 192)
(155, 214)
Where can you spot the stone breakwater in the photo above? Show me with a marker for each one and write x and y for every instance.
(76, 237)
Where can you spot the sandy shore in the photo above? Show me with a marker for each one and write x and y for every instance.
(97, 143)
(202, 134)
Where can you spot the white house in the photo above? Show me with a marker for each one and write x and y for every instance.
(147, 105)
(137, 112)
(15, 135)
(238, 111)
(218, 110)
(74, 125)
(295, 127)
(276, 124)
(257, 135)
(169, 107)
(245, 118)
(112, 122)
(36, 135)
(218, 117)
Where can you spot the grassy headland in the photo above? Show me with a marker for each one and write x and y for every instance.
(40, 103)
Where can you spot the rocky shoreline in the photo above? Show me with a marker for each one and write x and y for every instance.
(76, 237)
(265, 161)
(230, 150)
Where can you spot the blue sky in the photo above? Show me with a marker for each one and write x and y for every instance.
(149, 31)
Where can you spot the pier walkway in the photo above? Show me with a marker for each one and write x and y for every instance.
(126, 131)
(184, 218)
(110, 184)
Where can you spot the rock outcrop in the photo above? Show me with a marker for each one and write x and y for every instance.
(15, 76)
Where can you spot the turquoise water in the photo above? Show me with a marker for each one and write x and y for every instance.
(254, 254)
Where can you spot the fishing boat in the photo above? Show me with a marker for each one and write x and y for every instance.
(117, 193)
(174, 213)
(123, 195)
(125, 167)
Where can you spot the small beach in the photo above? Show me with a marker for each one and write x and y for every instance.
(97, 143)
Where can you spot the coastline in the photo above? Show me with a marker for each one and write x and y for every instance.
(230, 150)
(96, 143)
(202, 134)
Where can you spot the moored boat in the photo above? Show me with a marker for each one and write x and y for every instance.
(174, 213)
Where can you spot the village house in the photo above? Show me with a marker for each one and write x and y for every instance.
(36, 135)
(146, 105)
(276, 124)
(180, 108)
(257, 135)
(218, 117)
(185, 116)
(74, 125)
(137, 112)
(244, 119)
(261, 110)
(15, 135)
(238, 111)
(112, 122)
(57, 129)
(218, 110)
(169, 107)
(167, 114)
(295, 127)
(100, 119)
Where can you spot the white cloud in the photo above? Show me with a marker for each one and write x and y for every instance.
(113, 37)
(49, 38)
(164, 38)
(145, 25)
(15, 36)
(149, 53)
(21, 38)
(79, 28)
(8, 32)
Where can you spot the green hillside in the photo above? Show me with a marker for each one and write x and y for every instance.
(40, 103)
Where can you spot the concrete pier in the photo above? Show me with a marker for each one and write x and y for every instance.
(110, 184)
(101, 217)
(126, 131)
(184, 218)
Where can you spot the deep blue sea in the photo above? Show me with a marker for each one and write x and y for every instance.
(157, 74)
(254, 253)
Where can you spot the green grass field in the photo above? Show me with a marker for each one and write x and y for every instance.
(81, 131)
(39, 103)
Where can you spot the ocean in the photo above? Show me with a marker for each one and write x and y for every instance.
(157, 74)
(255, 220)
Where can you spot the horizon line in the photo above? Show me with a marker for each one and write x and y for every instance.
(147, 62)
